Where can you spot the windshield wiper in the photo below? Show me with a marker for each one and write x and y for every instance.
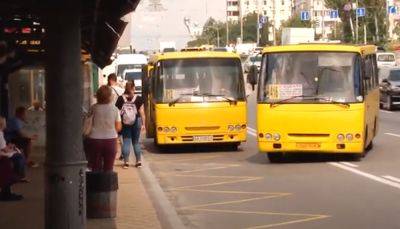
(273, 104)
(346, 104)
(222, 96)
(173, 102)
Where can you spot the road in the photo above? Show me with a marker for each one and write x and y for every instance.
(212, 188)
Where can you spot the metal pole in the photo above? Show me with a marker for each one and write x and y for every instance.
(65, 193)
(218, 37)
(241, 20)
(356, 22)
(227, 25)
(365, 32)
(258, 22)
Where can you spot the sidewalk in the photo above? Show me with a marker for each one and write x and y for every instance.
(135, 209)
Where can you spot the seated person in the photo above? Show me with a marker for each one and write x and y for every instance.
(12, 166)
(36, 106)
(16, 135)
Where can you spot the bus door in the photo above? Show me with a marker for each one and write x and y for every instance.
(147, 97)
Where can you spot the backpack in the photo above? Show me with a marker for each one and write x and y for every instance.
(129, 111)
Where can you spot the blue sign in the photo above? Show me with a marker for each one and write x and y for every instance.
(305, 15)
(263, 19)
(334, 14)
(360, 12)
(392, 9)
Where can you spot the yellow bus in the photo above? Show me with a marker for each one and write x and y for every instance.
(317, 98)
(195, 97)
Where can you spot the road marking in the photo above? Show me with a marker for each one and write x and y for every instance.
(252, 133)
(349, 164)
(366, 175)
(395, 179)
(394, 135)
(388, 112)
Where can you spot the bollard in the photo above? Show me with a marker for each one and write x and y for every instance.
(101, 195)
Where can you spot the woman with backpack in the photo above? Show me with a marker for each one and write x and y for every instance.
(133, 119)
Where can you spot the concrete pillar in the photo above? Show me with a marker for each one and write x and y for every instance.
(65, 192)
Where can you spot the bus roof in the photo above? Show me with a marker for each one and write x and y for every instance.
(364, 50)
(192, 55)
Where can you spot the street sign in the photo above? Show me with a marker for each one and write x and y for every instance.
(263, 19)
(360, 12)
(305, 15)
(334, 14)
(392, 9)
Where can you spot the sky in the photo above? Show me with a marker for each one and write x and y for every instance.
(149, 28)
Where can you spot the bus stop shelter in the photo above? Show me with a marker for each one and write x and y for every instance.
(56, 33)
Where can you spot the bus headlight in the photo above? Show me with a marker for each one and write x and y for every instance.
(268, 137)
(349, 137)
(340, 137)
(231, 128)
(237, 127)
(277, 137)
(166, 129)
(173, 129)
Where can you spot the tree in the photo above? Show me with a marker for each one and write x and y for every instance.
(296, 22)
(209, 34)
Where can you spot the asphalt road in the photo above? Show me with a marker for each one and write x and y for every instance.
(215, 188)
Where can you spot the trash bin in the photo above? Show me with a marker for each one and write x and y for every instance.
(101, 198)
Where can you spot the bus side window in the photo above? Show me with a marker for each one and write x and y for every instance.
(368, 74)
(375, 67)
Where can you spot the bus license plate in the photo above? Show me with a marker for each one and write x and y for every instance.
(207, 138)
(308, 145)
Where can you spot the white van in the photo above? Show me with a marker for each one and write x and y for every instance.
(386, 59)
(129, 67)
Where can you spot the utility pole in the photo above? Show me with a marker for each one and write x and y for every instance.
(65, 164)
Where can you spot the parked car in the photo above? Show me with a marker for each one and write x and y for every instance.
(386, 59)
(390, 89)
(252, 60)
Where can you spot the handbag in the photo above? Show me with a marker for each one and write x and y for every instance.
(88, 123)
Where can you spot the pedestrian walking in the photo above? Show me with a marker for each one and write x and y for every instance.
(133, 120)
(102, 137)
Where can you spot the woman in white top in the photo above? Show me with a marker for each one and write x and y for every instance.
(102, 140)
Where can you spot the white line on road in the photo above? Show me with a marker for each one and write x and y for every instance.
(389, 112)
(395, 179)
(394, 135)
(252, 130)
(366, 175)
(349, 164)
(252, 133)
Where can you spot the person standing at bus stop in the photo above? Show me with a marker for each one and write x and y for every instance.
(133, 119)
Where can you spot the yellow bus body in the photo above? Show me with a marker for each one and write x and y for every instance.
(313, 128)
(194, 120)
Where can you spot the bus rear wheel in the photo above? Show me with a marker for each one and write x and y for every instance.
(275, 157)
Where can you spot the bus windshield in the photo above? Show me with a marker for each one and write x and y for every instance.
(310, 77)
(199, 80)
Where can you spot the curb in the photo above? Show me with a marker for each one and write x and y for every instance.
(166, 212)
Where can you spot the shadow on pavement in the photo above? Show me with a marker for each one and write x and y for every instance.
(261, 158)
(195, 148)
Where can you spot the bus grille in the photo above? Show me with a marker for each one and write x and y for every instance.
(201, 128)
(309, 135)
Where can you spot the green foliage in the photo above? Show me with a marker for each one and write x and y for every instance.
(295, 22)
(209, 34)
(375, 10)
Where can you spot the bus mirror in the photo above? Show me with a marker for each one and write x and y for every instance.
(252, 76)
(385, 81)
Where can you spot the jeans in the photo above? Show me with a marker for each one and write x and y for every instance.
(131, 135)
(19, 163)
